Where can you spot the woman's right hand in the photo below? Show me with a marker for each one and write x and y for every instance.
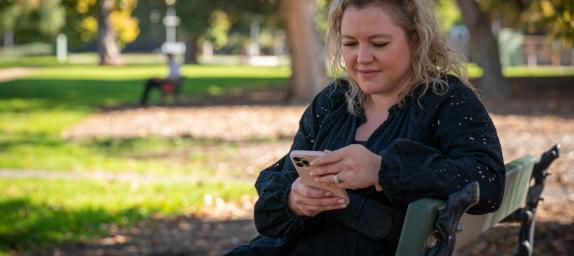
(308, 201)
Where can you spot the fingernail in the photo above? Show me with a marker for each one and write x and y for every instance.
(342, 205)
(312, 174)
(328, 194)
(341, 201)
(316, 179)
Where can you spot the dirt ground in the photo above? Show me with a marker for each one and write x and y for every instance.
(525, 126)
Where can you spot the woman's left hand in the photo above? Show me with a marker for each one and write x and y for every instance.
(356, 167)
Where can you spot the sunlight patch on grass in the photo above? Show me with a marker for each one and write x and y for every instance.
(474, 71)
(41, 212)
(542, 71)
(22, 120)
(143, 72)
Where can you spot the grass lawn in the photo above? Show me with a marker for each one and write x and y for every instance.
(35, 110)
(38, 212)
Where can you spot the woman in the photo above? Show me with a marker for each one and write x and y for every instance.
(395, 128)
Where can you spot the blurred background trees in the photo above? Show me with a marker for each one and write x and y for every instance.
(491, 33)
(109, 21)
(485, 18)
(30, 21)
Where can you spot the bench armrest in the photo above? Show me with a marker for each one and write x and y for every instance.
(418, 226)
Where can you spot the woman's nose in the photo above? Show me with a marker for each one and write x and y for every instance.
(364, 55)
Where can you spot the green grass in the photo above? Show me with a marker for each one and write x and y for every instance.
(31, 61)
(539, 71)
(93, 86)
(34, 111)
(83, 59)
(474, 71)
(37, 212)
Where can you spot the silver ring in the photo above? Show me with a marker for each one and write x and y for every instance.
(336, 179)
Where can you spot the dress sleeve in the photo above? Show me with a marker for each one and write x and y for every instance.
(272, 215)
(465, 149)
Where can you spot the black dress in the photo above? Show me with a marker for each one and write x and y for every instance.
(431, 146)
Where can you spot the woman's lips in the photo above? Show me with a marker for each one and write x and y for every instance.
(368, 73)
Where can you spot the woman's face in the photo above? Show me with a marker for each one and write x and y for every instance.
(376, 52)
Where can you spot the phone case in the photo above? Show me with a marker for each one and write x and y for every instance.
(301, 159)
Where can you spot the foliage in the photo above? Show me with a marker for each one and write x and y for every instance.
(221, 21)
(31, 20)
(321, 17)
(196, 16)
(510, 47)
(31, 49)
(555, 17)
(217, 34)
(447, 13)
(82, 23)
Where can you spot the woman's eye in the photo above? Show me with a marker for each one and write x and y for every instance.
(380, 45)
(348, 44)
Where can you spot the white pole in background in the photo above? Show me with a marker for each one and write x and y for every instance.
(171, 21)
(8, 41)
(254, 38)
(62, 48)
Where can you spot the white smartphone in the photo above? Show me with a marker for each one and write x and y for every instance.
(301, 159)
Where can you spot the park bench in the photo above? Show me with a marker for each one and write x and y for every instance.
(437, 227)
(171, 88)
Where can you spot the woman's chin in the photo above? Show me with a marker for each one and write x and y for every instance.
(371, 89)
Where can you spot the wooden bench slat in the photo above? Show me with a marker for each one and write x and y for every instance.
(517, 179)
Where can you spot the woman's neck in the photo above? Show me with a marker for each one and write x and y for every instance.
(380, 103)
(376, 111)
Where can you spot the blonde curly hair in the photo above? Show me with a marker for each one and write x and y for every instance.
(432, 57)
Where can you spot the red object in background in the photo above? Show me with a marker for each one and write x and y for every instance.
(167, 87)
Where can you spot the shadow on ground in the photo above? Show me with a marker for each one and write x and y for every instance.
(550, 238)
(195, 236)
(172, 236)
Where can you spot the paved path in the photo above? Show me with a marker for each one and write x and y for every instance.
(8, 74)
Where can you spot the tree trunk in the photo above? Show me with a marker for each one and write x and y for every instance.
(191, 49)
(308, 69)
(485, 48)
(108, 47)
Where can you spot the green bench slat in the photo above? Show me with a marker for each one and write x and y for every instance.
(421, 214)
